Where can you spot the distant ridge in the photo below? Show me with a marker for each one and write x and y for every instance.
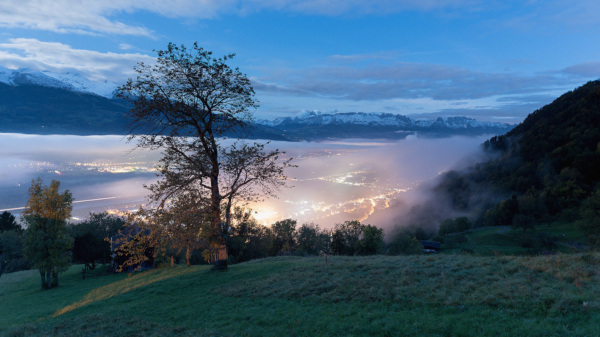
(384, 119)
(317, 125)
(71, 81)
(39, 102)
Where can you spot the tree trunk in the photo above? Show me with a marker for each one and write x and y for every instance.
(188, 255)
(45, 275)
(54, 278)
(43, 279)
(218, 237)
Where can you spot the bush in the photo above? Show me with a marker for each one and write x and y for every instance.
(404, 244)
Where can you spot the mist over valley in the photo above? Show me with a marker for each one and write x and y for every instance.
(334, 181)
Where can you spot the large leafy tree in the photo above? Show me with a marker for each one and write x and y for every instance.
(47, 243)
(187, 104)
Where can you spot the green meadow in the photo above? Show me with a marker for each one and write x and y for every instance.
(565, 237)
(432, 295)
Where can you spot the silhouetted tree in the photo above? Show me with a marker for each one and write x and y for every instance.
(371, 242)
(8, 223)
(185, 105)
(91, 244)
(11, 252)
(283, 236)
(307, 238)
(402, 243)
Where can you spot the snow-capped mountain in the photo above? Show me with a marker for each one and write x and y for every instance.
(316, 118)
(69, 81)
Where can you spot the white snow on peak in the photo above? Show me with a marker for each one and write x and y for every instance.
(380, 119)
(69, 81)
(80, 83)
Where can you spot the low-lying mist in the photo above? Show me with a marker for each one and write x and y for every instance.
(379, 182)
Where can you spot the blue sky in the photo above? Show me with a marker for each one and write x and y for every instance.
(489, 59)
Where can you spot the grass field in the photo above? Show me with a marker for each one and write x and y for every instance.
(441, 295)
(510, 241)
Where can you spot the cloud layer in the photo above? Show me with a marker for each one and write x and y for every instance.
(59, 57)
(99, 17)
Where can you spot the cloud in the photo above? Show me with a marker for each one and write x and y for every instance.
(64, 16)
(59, 57)
(405, 80)
(360, 7)
(98, 17)
(587, 69)
(551, 16)
(95, 17)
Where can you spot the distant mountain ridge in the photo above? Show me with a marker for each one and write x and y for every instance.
(313, 118)
(71, 81)
(314, 125)
(42, 102)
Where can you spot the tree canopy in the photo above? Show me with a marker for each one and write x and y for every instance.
(47, 243)
(186, 105)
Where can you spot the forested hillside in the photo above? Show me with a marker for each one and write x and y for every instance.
(545, 169)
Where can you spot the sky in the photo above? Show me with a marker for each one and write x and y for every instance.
(492, 60)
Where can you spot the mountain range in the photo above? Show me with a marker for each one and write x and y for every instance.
(314, 124)
(70, 81)
(44, 102)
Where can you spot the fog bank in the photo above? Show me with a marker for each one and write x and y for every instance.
(370, 180)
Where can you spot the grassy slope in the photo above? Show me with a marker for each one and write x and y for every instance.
(509, 241)
(442, 295)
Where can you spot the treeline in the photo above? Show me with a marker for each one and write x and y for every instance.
(90, 243)
(246, 240)
(544, 170)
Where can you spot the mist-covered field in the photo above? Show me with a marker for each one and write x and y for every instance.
(334, 181)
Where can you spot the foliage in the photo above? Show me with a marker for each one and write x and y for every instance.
(543, 169)
(11, 252)
(456, 225)
(184, 105)
(8, 223)
(308, 238)
(135, 248)
(248, 240)
(591, 218)
(371, 242)
(404, 244)
(47, 243)
(354, 238)
(91, 244)
(345, 238)
(181, 225)
(283, 236)
(11, 245)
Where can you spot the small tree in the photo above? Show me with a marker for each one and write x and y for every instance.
(371, 242)
(404, 244)
(11, 252)
(91, 244)
(307, 239)
(284, 233)
(47, 243)
(354, 238)
(8, 223)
